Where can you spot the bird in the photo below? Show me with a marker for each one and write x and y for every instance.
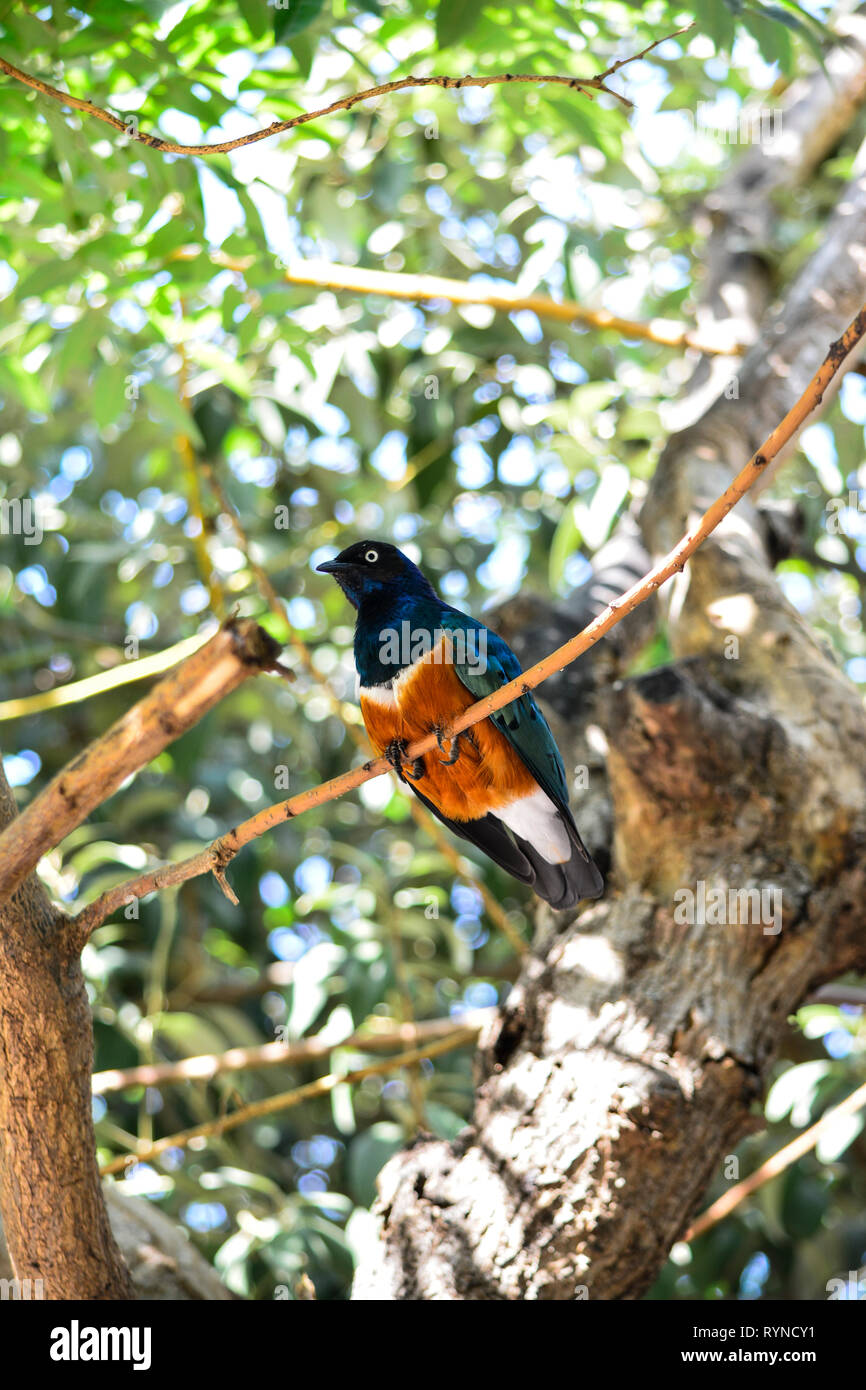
(499, 784)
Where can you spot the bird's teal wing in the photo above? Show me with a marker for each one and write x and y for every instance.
(484, 662)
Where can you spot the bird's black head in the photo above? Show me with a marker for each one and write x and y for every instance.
(376, 570)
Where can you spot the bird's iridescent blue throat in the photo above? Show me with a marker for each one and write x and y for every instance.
(399, 612)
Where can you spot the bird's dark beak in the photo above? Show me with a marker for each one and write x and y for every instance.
(332, 567)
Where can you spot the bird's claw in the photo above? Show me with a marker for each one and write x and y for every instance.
(455, 746)
(395, 753)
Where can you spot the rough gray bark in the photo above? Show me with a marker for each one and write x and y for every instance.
(632, 1049)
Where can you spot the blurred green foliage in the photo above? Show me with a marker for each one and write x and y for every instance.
(495, 447)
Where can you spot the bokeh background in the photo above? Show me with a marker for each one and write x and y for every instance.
(179, 415)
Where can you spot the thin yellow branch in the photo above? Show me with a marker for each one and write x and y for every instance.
(183, 442)
(271, 1105)
(776, 1165)
(279, 1054)
(124, 674)
(330, 275)
(406, 1014)
(261, 575)
(178, 702)
(245, 984)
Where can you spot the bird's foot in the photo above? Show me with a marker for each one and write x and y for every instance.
(455, 746)
(395, 753)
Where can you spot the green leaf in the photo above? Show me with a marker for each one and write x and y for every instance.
(454, 18)
(797, 1084)
(716, 20)
(368, 1154)
(27, 388)
(108, 400)
(444, 1122)
(255, 13)
(311, 985)
(47, 276)
(773, 39)
(566, 542)
(189, 1033)
(427, 480)
(839, 1135)
(804, 1203)
(303, 50)
(293, 16)
(166, 406)
(77, 344)
(230, 372)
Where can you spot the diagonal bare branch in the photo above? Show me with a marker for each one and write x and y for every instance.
(218, 854)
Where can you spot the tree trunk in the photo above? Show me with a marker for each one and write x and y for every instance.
(56, 1224)
(633, 1048)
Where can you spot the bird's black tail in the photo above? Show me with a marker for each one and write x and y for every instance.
(564, 885)
(561, 885)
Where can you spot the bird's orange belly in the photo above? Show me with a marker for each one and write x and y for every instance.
(488, 774)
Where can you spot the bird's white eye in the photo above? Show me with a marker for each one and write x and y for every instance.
(371, 556)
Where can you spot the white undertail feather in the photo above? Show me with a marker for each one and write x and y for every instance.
(535, 819)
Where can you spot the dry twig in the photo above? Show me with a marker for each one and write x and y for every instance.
(128, 125)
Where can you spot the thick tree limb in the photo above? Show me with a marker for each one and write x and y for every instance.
(738, 217)
(178, 702)
(163, 1262)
